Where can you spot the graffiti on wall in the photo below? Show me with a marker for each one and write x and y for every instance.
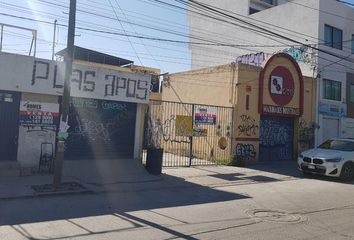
(39, 129)
(300, 54)
(306, 135)
(252, 59)
(29, 144)
(248, 126)
(247, 151)
(165, 129)
(100, 130)
(273, 133)
(276, 139)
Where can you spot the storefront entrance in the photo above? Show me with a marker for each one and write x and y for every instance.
(276, 139)
(100, 129)
(9, 112)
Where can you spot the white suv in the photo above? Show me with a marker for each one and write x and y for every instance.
(334, 158)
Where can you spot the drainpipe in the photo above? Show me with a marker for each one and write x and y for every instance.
(317, 115)
(232, 89)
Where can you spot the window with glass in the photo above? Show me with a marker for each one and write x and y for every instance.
(341, 145)
(268, 1)
(332, 90)
(333, 37)
(253, 10)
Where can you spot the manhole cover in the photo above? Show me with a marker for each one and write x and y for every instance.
(278, 216)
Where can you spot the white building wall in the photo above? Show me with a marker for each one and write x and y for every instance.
(340, 16)
(301, 20)
(305, 21)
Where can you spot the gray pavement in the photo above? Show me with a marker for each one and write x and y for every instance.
(259, 202)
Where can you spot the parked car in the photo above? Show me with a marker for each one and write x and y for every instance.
(334, 157)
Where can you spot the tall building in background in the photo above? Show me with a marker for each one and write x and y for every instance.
(319, 34)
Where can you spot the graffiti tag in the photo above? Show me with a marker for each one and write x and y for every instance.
(252, 59)
(245, 150)
(248, 126)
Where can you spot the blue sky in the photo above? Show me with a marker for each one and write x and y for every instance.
(145, 15)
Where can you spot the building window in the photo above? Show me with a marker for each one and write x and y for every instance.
(252, 11)
(352, 43)
(333, 37)
(271, 2)
(332, 90)
(351, 93)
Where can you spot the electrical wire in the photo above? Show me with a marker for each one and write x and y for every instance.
(131, 44)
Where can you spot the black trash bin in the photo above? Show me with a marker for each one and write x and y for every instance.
(154, 160)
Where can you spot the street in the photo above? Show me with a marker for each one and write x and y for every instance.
(192, 203)
(174, 119)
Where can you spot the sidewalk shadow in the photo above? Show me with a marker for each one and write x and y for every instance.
(290, 168)
(287, 168)
(168, 193)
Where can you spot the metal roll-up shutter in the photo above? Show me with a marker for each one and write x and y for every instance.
(100, 129)
(276, 139)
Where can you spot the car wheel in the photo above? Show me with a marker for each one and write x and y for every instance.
(347, 172)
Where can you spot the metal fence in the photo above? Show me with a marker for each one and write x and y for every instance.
(190, 134)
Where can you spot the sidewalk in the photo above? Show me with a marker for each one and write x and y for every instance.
(112, 179)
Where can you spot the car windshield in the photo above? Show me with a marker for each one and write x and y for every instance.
(341, 145)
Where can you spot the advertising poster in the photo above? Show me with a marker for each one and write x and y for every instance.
(204, 115)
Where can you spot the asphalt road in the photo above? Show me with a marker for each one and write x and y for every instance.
(293, 208)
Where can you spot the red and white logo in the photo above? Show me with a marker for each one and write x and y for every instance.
(276, 85)
(281, 86)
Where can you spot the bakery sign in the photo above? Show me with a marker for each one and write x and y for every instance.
(281, 87)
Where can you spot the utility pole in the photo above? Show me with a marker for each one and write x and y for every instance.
(1, 37)
(54, 36)
(65, 104)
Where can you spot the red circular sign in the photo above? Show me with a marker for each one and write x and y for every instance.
(281, 86)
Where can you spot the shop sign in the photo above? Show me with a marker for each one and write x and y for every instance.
(27, 74)
(335, 110)
(204, 115)
(281, 110)
(281, 87)
(39, 113)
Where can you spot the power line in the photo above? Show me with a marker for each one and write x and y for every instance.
(137, 33)
(139, 36)
(107, 32)
(348, 3)
(125, 32)
(216, 10)
(140, 25)
(320, 10)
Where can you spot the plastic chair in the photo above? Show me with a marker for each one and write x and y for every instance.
(46, 158)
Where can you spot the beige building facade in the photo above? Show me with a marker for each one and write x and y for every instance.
(273, 105)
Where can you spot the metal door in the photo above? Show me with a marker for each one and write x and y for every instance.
(190, 134)
(276, 139)
(331, 128)
(100, 129)
(9, 112)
